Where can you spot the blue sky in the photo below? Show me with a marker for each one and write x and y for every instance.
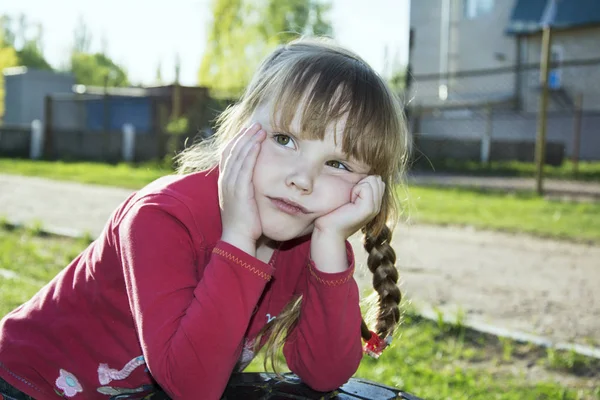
(140, 33)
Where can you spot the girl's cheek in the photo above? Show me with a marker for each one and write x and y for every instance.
(338, 189)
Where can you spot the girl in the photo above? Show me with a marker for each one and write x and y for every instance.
(246, 248)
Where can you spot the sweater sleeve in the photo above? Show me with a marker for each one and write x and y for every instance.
(190, 317)
(325, 349)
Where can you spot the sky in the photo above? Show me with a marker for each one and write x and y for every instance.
(140, 34)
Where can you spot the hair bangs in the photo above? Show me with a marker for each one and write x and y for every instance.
(320, 94)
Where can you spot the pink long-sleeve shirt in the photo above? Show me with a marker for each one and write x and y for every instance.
(159, 298)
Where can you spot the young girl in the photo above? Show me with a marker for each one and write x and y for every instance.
(246, 248)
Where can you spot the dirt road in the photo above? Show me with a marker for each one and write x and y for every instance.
(539, 286)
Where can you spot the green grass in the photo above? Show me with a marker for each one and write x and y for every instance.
(121, 175)
(586, 170)
(432, 359)
(28, 261)
(512, 212)
(436, 360)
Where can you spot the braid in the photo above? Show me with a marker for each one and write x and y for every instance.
(381, 262)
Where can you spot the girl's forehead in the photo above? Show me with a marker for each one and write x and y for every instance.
(266, 114)
(331, 141)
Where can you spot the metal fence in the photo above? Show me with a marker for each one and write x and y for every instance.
(493, 114)
(111, 128)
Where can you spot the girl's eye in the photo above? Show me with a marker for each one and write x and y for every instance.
(337, 165)
(284, 140)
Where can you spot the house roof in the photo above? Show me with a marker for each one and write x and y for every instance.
(527, 15)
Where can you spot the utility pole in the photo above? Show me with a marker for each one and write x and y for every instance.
(540, 144)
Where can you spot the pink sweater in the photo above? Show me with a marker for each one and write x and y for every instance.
(158, 298)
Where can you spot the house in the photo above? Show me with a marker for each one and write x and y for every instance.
(575, 51)
(25, 90)
(475, 66)
(85, 122)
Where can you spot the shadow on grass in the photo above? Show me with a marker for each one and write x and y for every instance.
(507, 350)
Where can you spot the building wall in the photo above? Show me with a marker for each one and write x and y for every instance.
(97, 113)
(516, 127)
(466, 44)
(26, 90)
(580, 44)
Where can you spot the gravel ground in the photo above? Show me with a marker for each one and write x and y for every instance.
(539, 286)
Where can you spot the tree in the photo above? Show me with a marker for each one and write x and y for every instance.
(224, 65)
(291, 18)
(7, 35)
(158, 79)
(97, 70)
(31, 53)
(398, 71)
(8, 58)
(82, 37)
(244, 31)
(93, 69)
(28, 48)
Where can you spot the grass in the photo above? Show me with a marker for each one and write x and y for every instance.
(431, 359)
(28, 261)
(586, 170)
(512, 212)
(437, 360)
(121, 175)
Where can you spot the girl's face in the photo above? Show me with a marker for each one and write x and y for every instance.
(297, 180)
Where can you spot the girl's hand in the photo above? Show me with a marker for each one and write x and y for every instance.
(364, 205)
(239, 213)
(328, 250)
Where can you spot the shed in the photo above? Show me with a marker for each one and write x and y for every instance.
(26, 89)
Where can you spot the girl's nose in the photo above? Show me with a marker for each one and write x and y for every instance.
(301, 180)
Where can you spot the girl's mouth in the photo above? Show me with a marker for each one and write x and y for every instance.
(288, 206)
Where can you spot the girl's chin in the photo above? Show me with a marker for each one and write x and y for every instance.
(283, 235)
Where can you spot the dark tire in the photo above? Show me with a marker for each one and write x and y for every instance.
(266, 386)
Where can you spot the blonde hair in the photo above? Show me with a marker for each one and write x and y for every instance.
(331, 84)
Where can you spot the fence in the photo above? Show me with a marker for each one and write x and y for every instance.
(111, 128)
(15, 140)
(493, 114)
(104, 146)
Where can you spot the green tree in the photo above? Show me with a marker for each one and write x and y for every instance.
(97, 70)
(31, 54)
(28, 48)
(398, 80)
(8, 58)
(158, 79)
(283, 21)
(7, 35)
(242, 32)
(82, 37)
(94, 69)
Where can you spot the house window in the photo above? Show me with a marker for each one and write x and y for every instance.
(477, 8)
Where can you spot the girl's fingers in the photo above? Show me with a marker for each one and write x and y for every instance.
(236, 143)
(370, 191)
(236, 150)
(240, 164)
(246, 171)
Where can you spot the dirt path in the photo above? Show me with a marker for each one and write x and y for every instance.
(539, 286)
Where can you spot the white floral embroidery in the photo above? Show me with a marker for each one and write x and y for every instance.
(107, 374)
(68, 383)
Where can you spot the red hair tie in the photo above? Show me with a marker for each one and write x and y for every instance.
(375, 345)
